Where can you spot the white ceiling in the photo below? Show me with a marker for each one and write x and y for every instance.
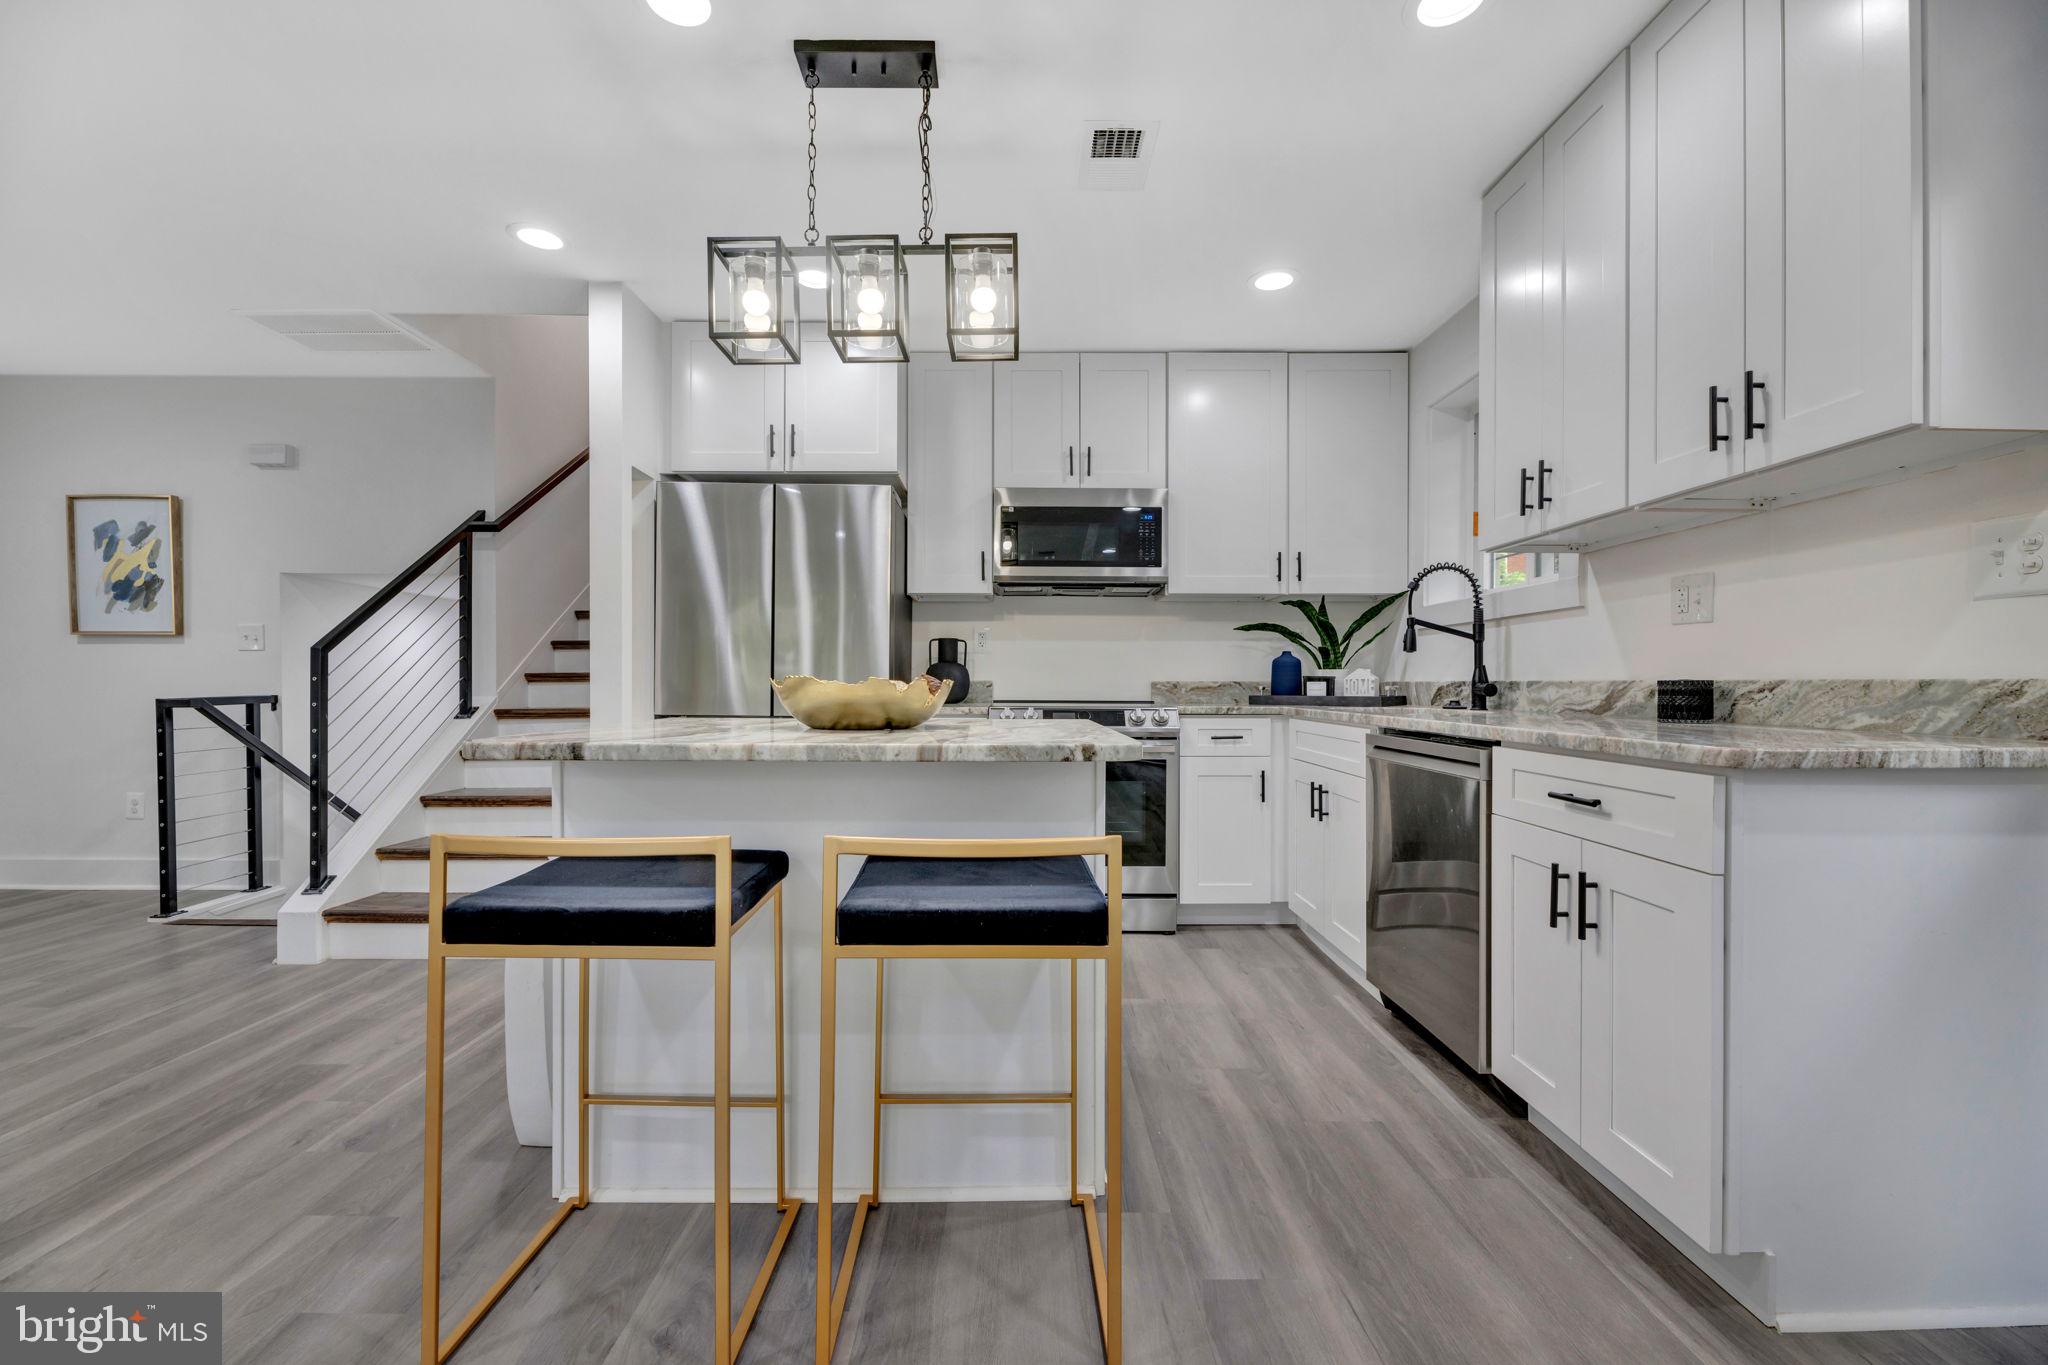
(164, 165)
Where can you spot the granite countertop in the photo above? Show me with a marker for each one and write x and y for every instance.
(1753, 747)
(942, 739)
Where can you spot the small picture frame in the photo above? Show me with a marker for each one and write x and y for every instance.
(126, 571)
(1316, 685)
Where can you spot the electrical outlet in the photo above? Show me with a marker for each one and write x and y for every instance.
(134, 807)
(250, 638)
(2008, 558)
(981, 639)
(1692, 599)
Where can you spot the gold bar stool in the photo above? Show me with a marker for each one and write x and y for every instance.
(1005, 899)
(667, 899)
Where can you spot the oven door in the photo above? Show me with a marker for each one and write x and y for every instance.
(1141, 798)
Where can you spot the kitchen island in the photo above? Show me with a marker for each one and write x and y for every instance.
(966, 1026)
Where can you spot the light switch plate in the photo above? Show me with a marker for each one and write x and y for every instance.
(2009, 557)
(1692, 599)
(250, 638)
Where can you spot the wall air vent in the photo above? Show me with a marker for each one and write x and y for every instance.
(341, 330)
(1117, 154)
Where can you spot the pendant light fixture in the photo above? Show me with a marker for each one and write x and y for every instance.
(753, 300)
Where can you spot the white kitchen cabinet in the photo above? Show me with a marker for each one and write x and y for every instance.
(1537, 1005)
(1511, 360)
(1347, 473)
(821, 417)
(1226, 508)
(1584, 445)
(727, 417)
(951, 505)
(1328, 855)
(1226, 838)
(841, 418)
(1038, 421)
(1687, 232)
(1653, 961)
(1123, 420)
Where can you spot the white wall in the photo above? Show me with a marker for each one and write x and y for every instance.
(1865, 585)
(1076, 649)
(629, 416)
(542, 416)
(386, 466)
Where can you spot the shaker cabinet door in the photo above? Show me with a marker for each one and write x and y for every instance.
(1537, 1039)
(1226, 846)
(1511, 403)
(1226, 513)
(951, 513)
(1123, 420)
(1038, 421)
(1347, 473)
(1305, 873)
(841, 418)
(726, 418)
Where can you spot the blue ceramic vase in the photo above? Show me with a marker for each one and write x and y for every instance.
(1286, 674)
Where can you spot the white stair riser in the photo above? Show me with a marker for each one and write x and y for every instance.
(507, 774)
(380, 941)
(558, 694)
(534, 820)
(582, 628)
(571, 661)
(553, 725)
(464, 874)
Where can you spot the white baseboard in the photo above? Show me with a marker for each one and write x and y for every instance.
(1917, 1319)
(1215, 916)
(90, 874)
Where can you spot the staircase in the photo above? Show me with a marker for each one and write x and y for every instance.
(470, 798)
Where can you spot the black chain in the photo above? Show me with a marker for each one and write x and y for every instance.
(924, 153)
(811, 192)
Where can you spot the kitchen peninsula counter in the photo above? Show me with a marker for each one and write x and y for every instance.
(761, 739)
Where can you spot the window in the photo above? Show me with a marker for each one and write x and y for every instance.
(1523, 581)
(1521, 568)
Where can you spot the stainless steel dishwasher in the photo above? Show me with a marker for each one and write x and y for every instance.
(1426, 932)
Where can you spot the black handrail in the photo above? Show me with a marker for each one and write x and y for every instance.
(461, 540)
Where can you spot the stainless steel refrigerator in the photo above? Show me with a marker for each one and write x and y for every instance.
(757, 580)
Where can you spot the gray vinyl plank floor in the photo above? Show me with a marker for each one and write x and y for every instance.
(1308, 1184)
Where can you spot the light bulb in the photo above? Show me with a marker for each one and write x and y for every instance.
(983, 298)
(754, 299)
(870, 298)
(980, 319)
(759, 322)
(869, 322)
(756, 344)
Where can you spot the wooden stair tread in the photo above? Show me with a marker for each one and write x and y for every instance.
(547, 677)
(415, 851)
(541, 712)
(569, 644)
(490, 796)
(385, 907)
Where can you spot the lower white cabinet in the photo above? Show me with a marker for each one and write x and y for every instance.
(1607, 1011)
(1226, 844)
(1328, 854)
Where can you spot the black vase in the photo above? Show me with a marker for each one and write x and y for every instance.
(946, 660)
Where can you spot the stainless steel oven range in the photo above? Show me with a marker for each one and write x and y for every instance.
(1142, 801)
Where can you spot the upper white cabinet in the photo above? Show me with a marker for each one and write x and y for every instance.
(821, 417)
(1512, 365)
(1123, 420)
(1226, 508)
(1038, 421)
(1347, 473)
(951, 505)
(1063, 420)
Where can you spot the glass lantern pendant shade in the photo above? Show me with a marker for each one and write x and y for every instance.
(867, 298)
(753, 300)
(981, 295)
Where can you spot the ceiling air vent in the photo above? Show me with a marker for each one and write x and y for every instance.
(341, 330)
(1116, 155)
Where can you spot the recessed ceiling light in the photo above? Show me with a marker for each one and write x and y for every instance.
(1440, 13)
(1269, 280)
(538, 237)
(811, 279)
(687, 13)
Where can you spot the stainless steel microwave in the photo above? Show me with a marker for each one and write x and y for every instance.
(1072, 542)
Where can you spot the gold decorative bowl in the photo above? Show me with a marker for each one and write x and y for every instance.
(877, 704)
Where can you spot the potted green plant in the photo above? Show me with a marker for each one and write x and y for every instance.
(1331, 649)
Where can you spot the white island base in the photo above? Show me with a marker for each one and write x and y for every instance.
(950, 1026)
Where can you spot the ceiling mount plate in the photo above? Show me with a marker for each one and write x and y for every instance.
(867, 64)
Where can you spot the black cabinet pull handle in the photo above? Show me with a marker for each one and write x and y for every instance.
(792, 443)
(1262, 786)
(1090, 466)
(984, 566)
(1525, 493)
(1297, 566)
(771, 443)
(1584, 923)
(1751, 387)
(1070, 462)
(1557, 912)
(1716, 400)
(1589, 802)
(1279, 566)
(1543, 473)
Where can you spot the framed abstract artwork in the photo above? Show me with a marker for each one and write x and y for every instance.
(126, 574)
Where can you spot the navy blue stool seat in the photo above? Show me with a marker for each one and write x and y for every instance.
(959, 901)
(614, 902)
